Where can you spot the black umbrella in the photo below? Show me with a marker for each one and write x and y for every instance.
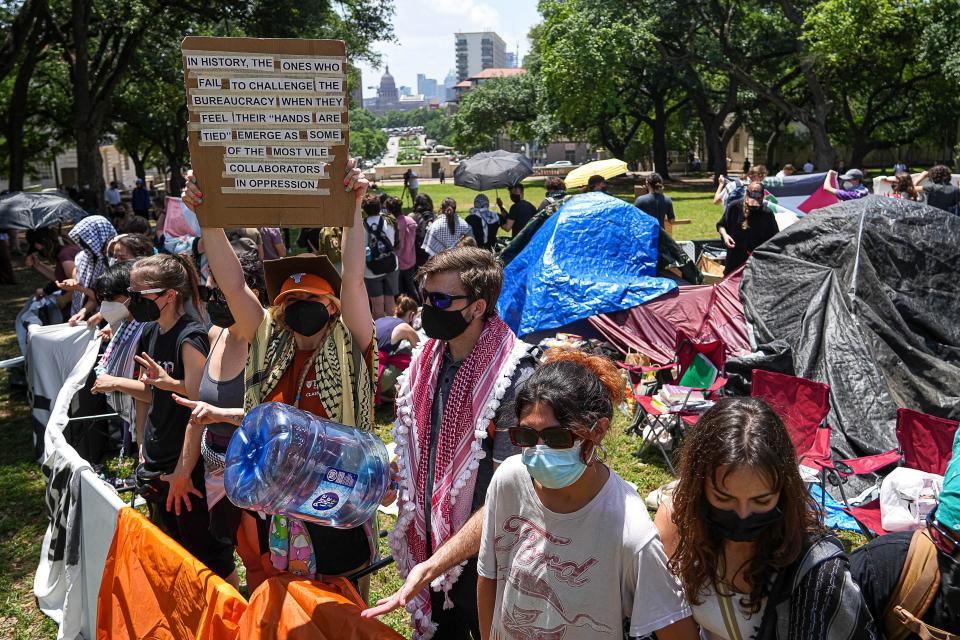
(23, 210)
(492, 170)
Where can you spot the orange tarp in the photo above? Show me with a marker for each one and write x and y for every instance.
(284, 608)
(152, 588)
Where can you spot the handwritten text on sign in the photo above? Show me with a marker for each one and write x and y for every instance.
(278, 118)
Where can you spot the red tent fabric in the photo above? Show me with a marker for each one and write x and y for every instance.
(706, 313)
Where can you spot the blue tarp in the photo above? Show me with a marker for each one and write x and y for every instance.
(834, 515)
(597, 254)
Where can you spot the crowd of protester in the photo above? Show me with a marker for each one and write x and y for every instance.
(511, 524)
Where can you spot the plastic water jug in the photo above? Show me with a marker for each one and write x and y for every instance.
(284, 461)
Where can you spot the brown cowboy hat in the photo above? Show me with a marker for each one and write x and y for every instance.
(276, 272)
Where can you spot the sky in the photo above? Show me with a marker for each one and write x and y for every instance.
(424, 36)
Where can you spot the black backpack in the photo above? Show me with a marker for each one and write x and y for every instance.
(380, 259)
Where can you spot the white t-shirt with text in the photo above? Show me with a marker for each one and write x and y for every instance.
(558, 575)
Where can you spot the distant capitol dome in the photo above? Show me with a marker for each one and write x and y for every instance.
(387, 94)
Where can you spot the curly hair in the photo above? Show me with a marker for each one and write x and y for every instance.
(904, 185)
(580, 389)
(738, 433)
(939, 174)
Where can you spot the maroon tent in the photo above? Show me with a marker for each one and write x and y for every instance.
(703, 312)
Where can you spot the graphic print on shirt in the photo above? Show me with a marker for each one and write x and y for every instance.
(525, 543)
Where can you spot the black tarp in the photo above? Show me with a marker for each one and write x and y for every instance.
(867, 296)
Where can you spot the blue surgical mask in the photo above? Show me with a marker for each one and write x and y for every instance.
(554, 468)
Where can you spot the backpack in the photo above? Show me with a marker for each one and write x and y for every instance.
(916, 588)
(380, 256)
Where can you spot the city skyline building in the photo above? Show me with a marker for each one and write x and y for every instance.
(427, 87)
(478, 50)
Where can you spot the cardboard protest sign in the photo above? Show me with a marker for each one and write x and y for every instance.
(268, 130)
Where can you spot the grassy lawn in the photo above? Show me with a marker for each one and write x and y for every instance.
(22, 515)
(692, 203)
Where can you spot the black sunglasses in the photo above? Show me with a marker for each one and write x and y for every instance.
(553, 437)
(137, 296)
(442, 300)
(209, 293)
(943, 539)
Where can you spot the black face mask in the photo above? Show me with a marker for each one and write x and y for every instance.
(515, 197)
(144, 309)
(442, 325)
(306, 317)
(732, 527)
(220, 313)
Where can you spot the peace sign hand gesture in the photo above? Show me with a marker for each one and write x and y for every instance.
(154, 375)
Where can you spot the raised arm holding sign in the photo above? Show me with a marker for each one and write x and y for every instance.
(268, 130)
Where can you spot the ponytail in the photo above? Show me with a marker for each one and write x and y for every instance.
(192, 289)
(449, 209)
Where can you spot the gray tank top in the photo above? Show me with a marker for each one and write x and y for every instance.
(221, 393)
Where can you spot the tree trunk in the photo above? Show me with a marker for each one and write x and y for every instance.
(89, 162)
(823, 152)
(175, 182)
(138, 164)
(17, 33)
(772, 143)
(659, 126)
(716, 161)
(17, 116)
(859, 149)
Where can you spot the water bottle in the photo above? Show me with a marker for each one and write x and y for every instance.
(284, 461)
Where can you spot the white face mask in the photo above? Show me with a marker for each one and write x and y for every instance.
(114, 312)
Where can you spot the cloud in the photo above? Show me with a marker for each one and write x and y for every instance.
(481, 15)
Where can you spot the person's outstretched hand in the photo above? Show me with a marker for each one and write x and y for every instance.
(417, 580)
(191, 195)
(355, 181)
(201, 413)
(153, 374)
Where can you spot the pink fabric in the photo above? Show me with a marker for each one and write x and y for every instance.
(179, 220)
(706, 313)
(407, 236)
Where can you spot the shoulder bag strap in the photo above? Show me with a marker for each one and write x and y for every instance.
(916, 588)
(729, 615)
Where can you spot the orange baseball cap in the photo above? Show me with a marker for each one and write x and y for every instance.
(304, 283)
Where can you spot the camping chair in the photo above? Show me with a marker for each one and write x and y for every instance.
(926, 444)
(803, 406)
(659, 421)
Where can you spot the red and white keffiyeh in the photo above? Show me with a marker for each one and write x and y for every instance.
(477, 390)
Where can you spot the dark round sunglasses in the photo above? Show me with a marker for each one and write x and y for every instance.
(442, 300)
(553, 437)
